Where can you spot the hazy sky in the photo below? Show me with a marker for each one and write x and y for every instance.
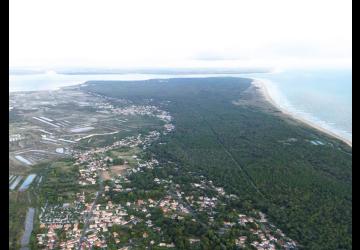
(276, 33)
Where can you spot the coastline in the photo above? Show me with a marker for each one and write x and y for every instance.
(265, 93)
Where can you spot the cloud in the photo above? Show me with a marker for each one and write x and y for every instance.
(219, 56)
(161, 32)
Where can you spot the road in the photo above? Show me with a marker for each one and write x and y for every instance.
(89, 214)
(186, 205)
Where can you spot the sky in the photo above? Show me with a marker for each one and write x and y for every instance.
(180, 33)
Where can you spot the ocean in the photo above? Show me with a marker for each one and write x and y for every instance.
(323, 97)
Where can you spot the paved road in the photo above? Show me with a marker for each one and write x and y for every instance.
(88, 216)
(186, 205)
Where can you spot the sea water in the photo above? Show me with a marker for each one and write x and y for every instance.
(27, 182)
(52, 81)
(323, 97)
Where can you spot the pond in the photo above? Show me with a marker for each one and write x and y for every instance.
(28, 228)
(27, 182)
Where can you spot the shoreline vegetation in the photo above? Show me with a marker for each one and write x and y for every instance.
(265, 93)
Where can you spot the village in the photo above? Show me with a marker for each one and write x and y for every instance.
(89, 224)
(68, 216)
(107, 217)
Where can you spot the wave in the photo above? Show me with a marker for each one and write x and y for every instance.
(284, 103)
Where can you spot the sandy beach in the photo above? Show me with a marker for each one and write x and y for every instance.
(264, 91)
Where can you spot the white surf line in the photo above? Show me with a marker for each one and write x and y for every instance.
(46, 122)
(88, 136)
(263, 85)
